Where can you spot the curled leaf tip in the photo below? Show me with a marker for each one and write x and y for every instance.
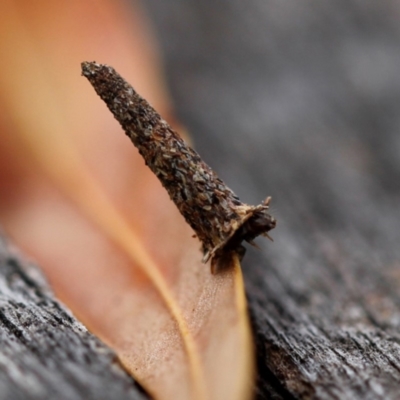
(221, 221)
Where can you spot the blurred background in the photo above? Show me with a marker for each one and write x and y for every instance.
(300, 101)
(297, 100)
(288, 74)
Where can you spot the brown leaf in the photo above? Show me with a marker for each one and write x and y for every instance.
(80, 199)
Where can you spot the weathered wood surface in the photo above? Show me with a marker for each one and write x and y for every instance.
(301, 101)
(45, 352)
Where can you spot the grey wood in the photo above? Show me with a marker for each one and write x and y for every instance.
(301, 101)
(45, 353)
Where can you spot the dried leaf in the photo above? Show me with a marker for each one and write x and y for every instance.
(83, 203)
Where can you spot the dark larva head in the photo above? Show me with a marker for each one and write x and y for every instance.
(260, 223)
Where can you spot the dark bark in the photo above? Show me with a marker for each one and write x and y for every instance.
(301, 100)
(45, 352)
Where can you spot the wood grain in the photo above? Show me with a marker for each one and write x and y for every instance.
(301, 100)
(45, 352)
